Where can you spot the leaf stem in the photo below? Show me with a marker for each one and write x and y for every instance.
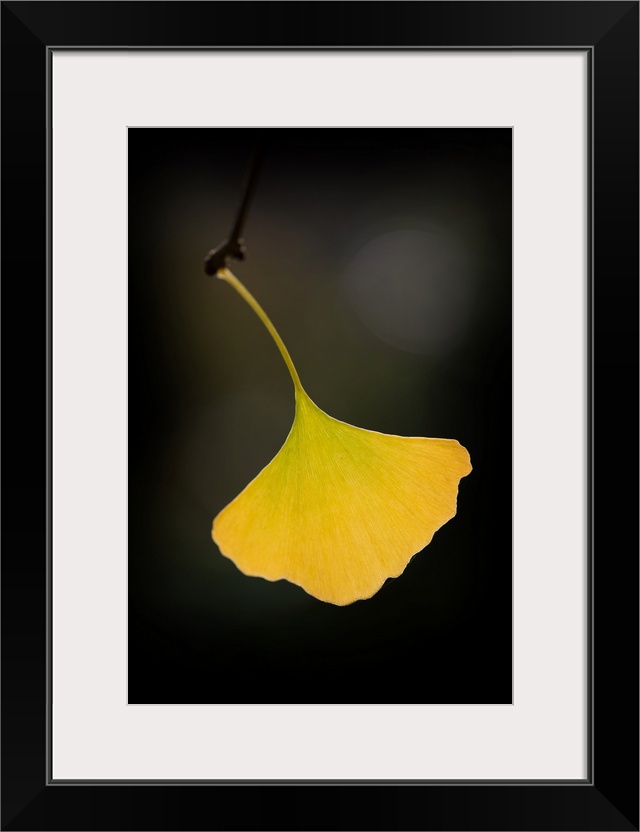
(232, 280)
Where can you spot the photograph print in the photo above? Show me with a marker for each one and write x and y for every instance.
(320, 416)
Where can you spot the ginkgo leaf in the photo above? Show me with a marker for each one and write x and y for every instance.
(339, 509)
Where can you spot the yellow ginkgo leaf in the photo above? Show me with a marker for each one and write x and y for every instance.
(339, 509)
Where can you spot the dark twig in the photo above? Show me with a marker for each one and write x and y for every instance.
(234, 246)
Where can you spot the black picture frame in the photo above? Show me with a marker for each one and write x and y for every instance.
(608, 798)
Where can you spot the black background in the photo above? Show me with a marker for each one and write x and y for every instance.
(210, 403)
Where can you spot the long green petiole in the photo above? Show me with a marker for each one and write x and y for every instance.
(232, 280)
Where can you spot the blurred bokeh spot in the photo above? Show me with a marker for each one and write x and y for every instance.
(413, 288)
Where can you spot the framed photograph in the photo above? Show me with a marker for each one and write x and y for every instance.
(388, 598)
